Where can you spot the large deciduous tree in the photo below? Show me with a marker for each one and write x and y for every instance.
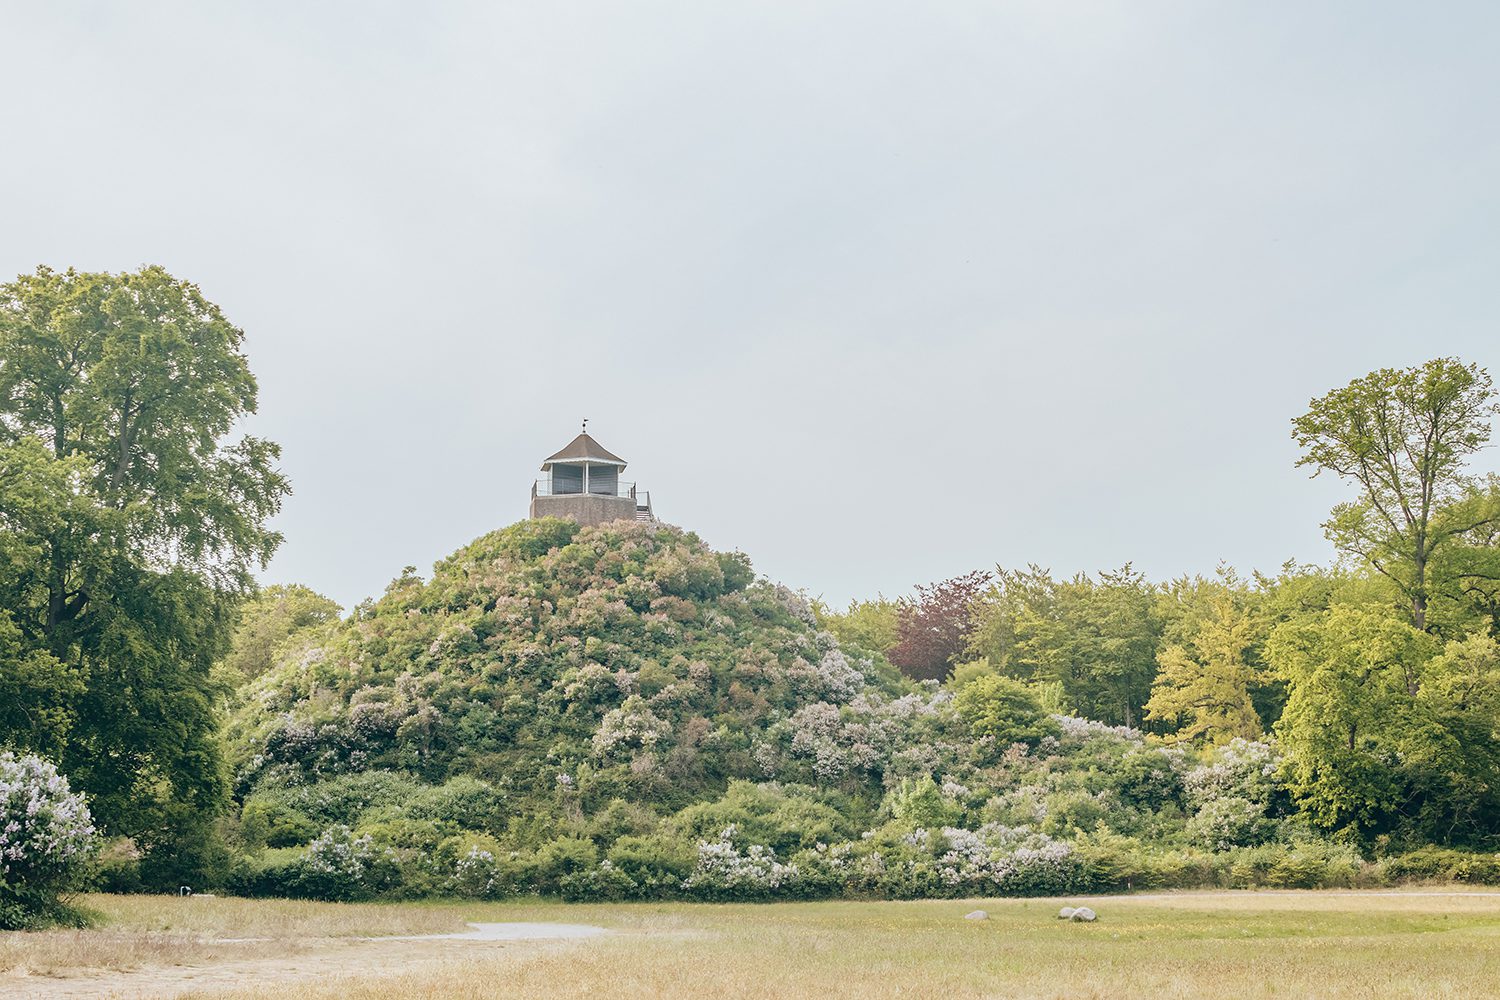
(1404, 437)
(1205, 681)
(1097, 639)
(1387, 732)
(130, 524)
(933, 627)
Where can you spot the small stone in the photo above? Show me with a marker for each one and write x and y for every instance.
(977, 915)
(1066, 913)
(1084, 915)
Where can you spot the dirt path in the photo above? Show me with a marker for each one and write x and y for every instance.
(323, 960)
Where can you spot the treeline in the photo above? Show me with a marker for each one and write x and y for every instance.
(620, 711)
(1379, 677)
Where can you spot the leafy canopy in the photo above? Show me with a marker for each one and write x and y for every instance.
(1206, 680)
(1403, 436)
(129, 526)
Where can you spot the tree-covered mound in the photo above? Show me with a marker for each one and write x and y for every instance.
(619, 711)
(566, 666)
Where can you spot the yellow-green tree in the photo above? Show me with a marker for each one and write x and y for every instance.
(869, 625)
(1204, 684)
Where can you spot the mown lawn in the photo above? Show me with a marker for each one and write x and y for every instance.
(1310, 944)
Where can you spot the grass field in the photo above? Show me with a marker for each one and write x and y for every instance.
(1309, 944)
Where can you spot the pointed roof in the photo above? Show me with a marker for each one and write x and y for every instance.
(585, 449)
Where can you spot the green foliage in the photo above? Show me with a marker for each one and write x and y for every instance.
(1097, 639)
(1003, 710)
(1403, 438)
(561, 858)
(1443, 866)
(1383, 732)
(965, 673)
(1352, 674)
(872, 626)
(129, 527)
(271, 621)
(780, 817)
(1206, 681)
(918, 803)
(656, 864)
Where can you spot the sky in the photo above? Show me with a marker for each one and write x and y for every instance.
(877, 293)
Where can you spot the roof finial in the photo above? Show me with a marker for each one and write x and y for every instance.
(585, 425)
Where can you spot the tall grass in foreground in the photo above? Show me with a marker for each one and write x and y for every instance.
(1225, 945)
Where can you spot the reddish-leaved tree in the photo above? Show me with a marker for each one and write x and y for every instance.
(933, 626)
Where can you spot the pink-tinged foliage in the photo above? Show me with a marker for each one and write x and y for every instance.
(933, 627)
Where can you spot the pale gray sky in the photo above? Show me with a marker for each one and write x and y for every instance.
(876, 292)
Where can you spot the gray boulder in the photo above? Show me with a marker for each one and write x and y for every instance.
(1066, 913)
(977, 915)
(1083, 915)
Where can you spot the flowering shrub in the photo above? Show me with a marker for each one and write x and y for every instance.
(1230, 822)
(1077, 730)
(338, 854)
(339, 864)
(724, 871)
(632, 726)
(1235, 794)
(1008, 861)
(46, 840)
(479, 873)
(1242, 769)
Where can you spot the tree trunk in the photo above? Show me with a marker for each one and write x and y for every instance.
(1419, 594)
(122, 461)
(59, 428)
(56, 591)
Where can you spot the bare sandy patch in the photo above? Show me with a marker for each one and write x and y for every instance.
(320, 961)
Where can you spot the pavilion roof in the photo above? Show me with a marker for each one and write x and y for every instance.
(584, 448)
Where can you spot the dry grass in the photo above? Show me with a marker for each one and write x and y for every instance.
(1225, 944)
(135, 931)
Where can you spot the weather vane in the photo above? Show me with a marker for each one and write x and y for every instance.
(585, 425)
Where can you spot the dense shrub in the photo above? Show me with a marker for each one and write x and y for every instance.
(559, 859)
(724, 870)
(657, 865)
(1004, 710)
(47, 839)
(1435, 864)
(781, 817)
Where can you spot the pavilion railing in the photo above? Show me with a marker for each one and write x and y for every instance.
(546, 488)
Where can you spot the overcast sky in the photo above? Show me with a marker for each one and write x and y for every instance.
(877, 293)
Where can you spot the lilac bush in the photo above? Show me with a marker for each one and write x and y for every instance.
(47, 839)
(724, 871)
(1007, 861)
(632, 726)
(339, 864)
(1234, 793)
